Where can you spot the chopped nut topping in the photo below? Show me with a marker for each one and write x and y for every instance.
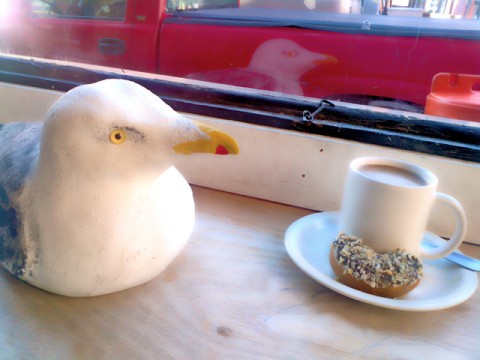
(395, 268)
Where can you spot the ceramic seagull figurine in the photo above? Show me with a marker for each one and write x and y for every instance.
(90, 202)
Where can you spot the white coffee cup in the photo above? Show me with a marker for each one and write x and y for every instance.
(387, 203)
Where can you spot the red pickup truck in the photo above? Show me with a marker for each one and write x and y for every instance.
(316, 48)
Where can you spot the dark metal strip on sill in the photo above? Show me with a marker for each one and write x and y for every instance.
(334, 128)
(405, 131)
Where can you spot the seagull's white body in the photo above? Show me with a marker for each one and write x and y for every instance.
(95, 216)
(88, 237)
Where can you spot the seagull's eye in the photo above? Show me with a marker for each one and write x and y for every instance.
(118, 136)
(290, 53)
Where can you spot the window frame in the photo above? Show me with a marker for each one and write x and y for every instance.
(431, 135)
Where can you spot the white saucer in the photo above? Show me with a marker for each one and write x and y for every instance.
(444, 284)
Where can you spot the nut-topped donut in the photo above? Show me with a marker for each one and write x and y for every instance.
(392, 274)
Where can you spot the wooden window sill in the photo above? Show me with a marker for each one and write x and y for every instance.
(232, 293)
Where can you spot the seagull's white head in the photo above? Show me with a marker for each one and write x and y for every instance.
(119, 126)
(284, 57)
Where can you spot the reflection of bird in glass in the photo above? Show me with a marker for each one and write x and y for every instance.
(89, 200)
(276, 65)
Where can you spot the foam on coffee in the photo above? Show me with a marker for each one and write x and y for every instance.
(392, 175)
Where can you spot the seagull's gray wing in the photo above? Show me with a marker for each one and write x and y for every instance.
(19, 151)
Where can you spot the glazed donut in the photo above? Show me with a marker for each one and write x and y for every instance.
(391, 275)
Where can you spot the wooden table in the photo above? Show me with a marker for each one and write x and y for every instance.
(233, 293)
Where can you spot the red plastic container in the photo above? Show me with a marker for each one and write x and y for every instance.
(455, 96)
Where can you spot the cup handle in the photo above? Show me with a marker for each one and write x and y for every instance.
(460, 229)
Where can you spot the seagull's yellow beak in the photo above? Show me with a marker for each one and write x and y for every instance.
(326, 59)
(218, 142)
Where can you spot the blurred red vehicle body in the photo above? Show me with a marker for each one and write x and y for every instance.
(363, 58)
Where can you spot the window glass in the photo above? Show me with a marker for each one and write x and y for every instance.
(106, 9)
(178, 5)
(375, 52)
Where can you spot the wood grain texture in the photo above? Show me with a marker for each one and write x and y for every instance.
(233, 293)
